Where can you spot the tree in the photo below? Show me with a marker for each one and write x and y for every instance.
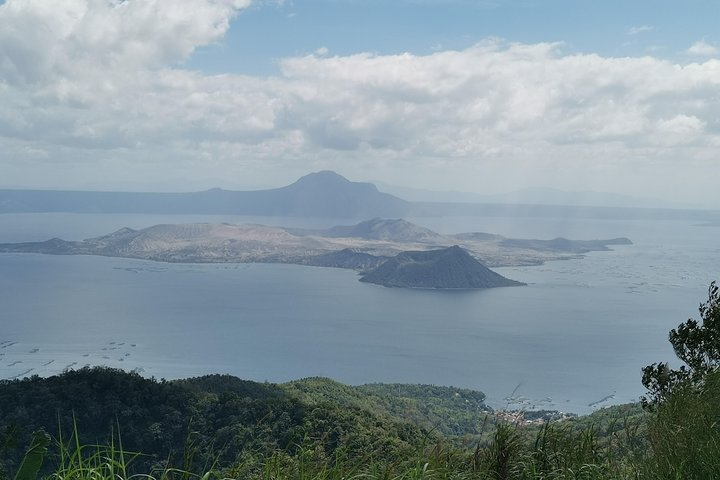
(697, 345)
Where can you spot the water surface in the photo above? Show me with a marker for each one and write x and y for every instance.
(579, 332)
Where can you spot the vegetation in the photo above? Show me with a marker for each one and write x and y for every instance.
(685, 430)
(113, 425)
(685, 433)
(697, 345)
(311, 428)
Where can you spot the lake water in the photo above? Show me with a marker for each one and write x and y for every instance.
(580, 332)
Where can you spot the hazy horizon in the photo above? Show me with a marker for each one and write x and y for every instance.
(527, 195)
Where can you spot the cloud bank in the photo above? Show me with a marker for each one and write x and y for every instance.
(94, 94)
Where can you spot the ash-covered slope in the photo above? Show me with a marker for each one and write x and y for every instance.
(389, 230)
(362, 247)
(448, 268)
(197, 242)
(347, 258)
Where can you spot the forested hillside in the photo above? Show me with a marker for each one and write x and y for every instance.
(230, 422)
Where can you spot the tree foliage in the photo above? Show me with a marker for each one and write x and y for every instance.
(697, 344)
(222, 417)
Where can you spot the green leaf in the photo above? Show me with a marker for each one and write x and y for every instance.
(32, 462)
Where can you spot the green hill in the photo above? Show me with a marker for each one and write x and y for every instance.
(241, 425)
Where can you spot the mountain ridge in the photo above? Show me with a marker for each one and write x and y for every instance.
(320, 194)
(323, 194)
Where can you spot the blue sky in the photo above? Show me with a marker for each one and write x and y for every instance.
(269, 31)
(477, 96)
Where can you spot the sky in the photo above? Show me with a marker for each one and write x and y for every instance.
(485, 96)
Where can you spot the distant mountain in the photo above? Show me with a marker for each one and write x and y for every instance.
(325, 195)
(320, 194)
(447, 268)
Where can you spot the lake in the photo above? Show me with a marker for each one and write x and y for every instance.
(579, 332)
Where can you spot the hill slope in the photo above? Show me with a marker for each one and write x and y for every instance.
(395, 230)
(448, 268)
(229, 416)
(310, 428)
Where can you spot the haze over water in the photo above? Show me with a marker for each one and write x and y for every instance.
(580, 332)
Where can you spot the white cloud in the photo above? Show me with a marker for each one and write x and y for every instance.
(702, 48)
(639, 29)
(42, 40)
(96, 99)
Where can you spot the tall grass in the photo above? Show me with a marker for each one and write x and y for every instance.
(684, 436)
(556, 452)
